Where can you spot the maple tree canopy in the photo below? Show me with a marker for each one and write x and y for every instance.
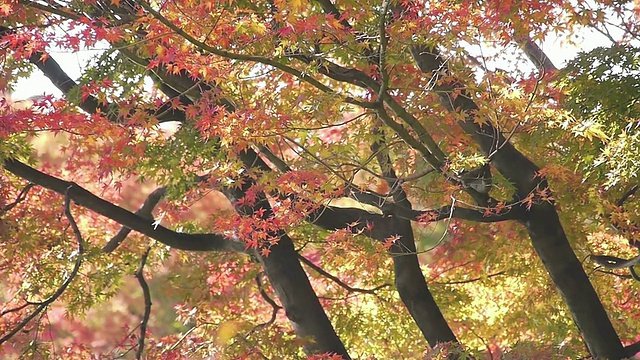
(323, 179)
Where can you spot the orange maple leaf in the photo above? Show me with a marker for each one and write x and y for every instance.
(265, 252)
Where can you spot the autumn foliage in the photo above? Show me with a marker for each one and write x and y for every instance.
(322, 180)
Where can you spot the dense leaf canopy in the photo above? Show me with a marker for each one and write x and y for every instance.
(346, 179)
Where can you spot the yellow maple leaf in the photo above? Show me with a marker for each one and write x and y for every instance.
(595, 130)
(296, 6)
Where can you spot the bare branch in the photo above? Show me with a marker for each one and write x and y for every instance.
(59, 78)
(17, 308)
(145, 212)
(384, 75)
(535, 54)
(275, 307)
(79, 257)
(456, 282)
(147, 303)
(612, 262)
(20, 198)
(337, 280)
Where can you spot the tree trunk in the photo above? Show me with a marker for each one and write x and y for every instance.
(544, 227)
(288, 278)
(413, 288)
(299, 300)
(550, 242)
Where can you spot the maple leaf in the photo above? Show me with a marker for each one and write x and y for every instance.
(265, 252)
(293, 105)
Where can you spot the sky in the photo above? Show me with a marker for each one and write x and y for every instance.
(38, 84)
(72, 63)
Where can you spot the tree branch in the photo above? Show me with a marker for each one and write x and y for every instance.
(337, 280)
(535, 54)
(627, 194)
(274, 306)
(20, 198)
(456, 282)
(632, 349)
(59, 78)
(145, 212)
(612, 262)
(258, 59)
(147, 303)
(82, 197)
(76, 267)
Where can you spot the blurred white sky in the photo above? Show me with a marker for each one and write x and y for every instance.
(556, 49)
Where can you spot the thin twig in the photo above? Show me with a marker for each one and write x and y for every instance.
(469, 280)
(336, 280)
(301, 75)
(17, 308)
(79, 256)
(622, 276)
(20, 198)
(384, 75)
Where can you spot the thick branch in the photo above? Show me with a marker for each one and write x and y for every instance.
(483, 215)
(613, 262)
(194, 242)
(20, 198)
(59, 78)
(542, 221)
(145, 211)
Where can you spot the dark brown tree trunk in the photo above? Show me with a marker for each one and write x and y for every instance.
(287, 277)
(544, 227)
(282, 267)
(410, 282)
(413, 288)
(299, 300)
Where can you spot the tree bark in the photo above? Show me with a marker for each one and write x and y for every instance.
(410, 282)
(299, 300)
(288, 278)
(542, 223)
(283, 269)
(413, 289)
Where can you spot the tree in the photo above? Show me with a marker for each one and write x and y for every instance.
(370, 142)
